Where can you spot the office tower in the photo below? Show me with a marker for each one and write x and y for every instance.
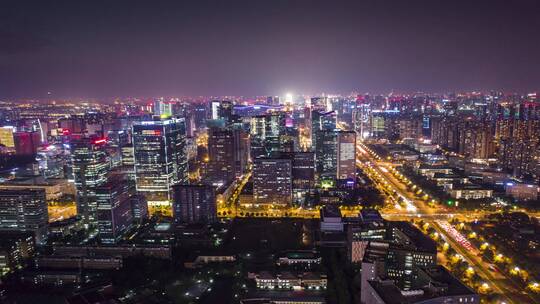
(228, 154)
(24, 210)
(214, 109)
(258, 135)
(139, 208)
(222, 110)
(360, 117)
(258, 126)
(321, 121)
(303, 174)
(194, 204)
(26, 142)
(272, 180)
(326, 154)
(346, 156)
(320, 103)
(72, 125)
(257, 148)
(220, 155)
(90, 165)
(128, 158)
(160, 158)
(241, 151)
(226, 111)
(199, 115)
(274, 128)
(163, 108)
(114, 214)
(6, 137)
(377, 127)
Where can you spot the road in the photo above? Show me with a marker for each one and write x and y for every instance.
(390, 184)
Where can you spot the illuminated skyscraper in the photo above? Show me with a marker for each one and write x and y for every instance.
(220, 154)
(228, 154)
(114, 214)
(160, 158)
(90, 168)
(321, 121)
(346, 156)
(326, 154)
(272, 180)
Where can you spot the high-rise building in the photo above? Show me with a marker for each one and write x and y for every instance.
(303, 174)
(228, 153)
(410, 127)
(346, 156)
(326, 154)
(160, 158)
(222, 110)
(24, 210)
(194, 204)
(272, 180)
(241, 151)
(274, 129)
(114, 214)
(163, 108)
(26, 142)
(214, 109)
(90, 165)
(321, 121)
(258, 126)
(221, 155)
(72, 125)
(476, 139)
(139, 208)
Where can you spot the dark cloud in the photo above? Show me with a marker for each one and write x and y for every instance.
(247, 47)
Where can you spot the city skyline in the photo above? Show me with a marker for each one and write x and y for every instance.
(267, 152)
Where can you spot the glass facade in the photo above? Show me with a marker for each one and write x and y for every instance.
(160, 158)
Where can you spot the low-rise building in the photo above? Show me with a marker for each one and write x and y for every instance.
(470, 191)
(72, 262)
(331, 219)
(522, 191)
(299, 257)
(433, 286)
(289, 280)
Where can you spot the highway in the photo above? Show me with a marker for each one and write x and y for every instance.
(379, 172)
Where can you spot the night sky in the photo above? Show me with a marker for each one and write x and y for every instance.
(154, 48)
